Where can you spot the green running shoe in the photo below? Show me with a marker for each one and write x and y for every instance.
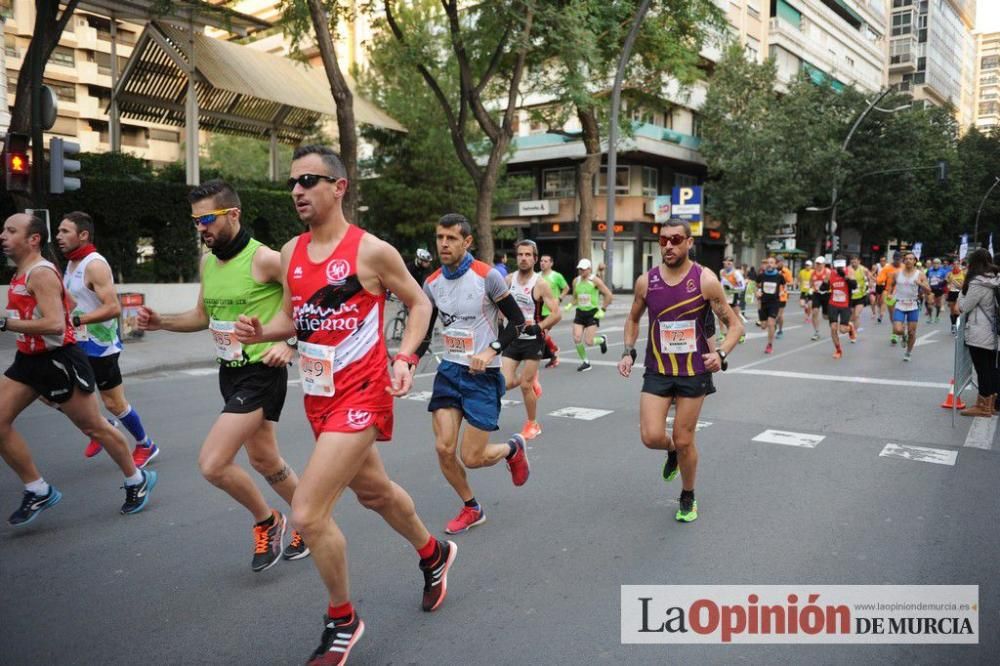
(688, 513)
(670, 467)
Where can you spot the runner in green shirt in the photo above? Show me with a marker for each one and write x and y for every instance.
(559, 288)
(241, 276)
(591, 298)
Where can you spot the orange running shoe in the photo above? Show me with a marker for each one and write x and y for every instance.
(531, 430)
(838, 353)
(536, 387)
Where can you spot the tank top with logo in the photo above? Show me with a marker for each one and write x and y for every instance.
(524, 296)
(22, 304)
(588, 296)
(676, 324)
(98, 338)
(906, 290)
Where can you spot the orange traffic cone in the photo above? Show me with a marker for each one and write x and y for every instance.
(951, 401)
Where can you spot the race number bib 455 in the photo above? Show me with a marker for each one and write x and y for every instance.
(458, 341)
(316, 368)
(678, 337)
(227, 347)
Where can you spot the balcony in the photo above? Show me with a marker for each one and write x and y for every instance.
(903, 54)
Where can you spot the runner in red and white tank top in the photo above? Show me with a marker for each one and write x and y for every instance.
(341, 347)
(22, 304)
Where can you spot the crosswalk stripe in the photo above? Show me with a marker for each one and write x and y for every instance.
(919, 454)
(787, 438)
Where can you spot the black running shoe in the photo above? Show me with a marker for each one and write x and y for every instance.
(267, 543)
(337, 641)
(584, 367)
(32, 505)
(670, 466)
(436, 575)
(604, 344)
(296, 548)
(137, 496)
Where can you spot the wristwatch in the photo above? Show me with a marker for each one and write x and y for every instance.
(75, 321)
(3, 324)
(292, 342)
(630, 352)
(496, 346)
(722, 358)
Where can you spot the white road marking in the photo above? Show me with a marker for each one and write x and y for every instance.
(581, 413)
(981, 433)
(701, 425)
(925, 339)
(789, 438)
(919, 454)
(200, 372)
(763, 334)
(840, 378)
(423, 396)
(774, 357)
(504, 402)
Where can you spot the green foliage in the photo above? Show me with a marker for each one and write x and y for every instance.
(242, 159)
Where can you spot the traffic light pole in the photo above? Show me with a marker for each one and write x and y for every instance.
(37, 138)
(981, 204)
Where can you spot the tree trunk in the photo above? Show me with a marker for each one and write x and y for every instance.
(585, 178)
(344, 99)
(485, 189)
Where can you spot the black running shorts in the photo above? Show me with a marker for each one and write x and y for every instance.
(54, 374)
(106, 371)
(586, 318)
(525, 350)
(842, 315)
(769, 309)
(952, 296)
(247, 388)
(859, 301)
(667, 386)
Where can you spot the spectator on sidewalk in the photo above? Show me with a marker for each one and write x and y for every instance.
(978, 302)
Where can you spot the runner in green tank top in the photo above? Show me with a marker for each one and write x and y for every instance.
(242, 276)
(859, 297)
(588, 289)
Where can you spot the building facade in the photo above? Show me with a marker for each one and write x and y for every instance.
(987, 81)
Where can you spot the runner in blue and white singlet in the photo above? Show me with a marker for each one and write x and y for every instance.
(905, 286)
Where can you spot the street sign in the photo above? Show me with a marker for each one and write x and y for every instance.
(686, 203)
(661, 208)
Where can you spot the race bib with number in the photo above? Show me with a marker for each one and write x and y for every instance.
(769, 287)
(906, 304)
(583, 300)
(14, 314)
(316, 369)
(227, 347)
(678, 337)
(80, 332)
(935, 281)
(458, 341)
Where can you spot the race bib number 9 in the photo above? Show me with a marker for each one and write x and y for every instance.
(316, 369)
(678, 337)
(458, 341)
(769, 287)
(227, 347)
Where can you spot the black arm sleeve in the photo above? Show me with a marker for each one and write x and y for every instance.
(426, 344)
(515, 321)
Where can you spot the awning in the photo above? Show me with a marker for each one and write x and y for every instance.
(198, 13)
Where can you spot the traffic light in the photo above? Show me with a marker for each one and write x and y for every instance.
(59, 166)
(942, 171)
(16, 163)
(835, 244)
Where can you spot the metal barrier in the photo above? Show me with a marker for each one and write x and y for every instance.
(963, 367)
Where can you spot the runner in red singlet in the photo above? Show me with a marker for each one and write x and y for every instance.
(336, 276)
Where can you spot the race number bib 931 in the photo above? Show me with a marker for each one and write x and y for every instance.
(678, 337)
(458, 341)
(316, 369)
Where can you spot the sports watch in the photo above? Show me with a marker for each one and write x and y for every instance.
(722, 359)
(496, 346)
(3, 324)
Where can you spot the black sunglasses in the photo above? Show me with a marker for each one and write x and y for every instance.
(309, 180)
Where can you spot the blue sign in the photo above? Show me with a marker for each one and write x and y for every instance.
(686, 203)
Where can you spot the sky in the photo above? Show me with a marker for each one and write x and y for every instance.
(988, 15)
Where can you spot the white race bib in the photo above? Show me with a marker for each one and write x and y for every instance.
(678, 337)
(80, 332)
(458, 341)
(227, 347)
(769, 287)
(583, 300)
(14, 314)
(316, 369)
(906, 304)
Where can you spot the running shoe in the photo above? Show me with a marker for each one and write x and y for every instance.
(267, 543)
(743, 338)
(436, 575)
(880, 320)
(531, 430)
(769, 348)
(337, 641)
(296, 548)
(853, 334)
(906, 356)
(466, 519)
(143, 454)
(604, 344)
(518, 463)
(954, 329)
(537, 388)
(838, 354)
(553, 362)
(815, 337)
(779, 334)
(670, 467)
(137, 496)
(32, 505)
(688, 512)
(92, 449)
(584, 367)
(893, 340)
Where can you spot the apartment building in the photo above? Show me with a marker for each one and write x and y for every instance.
(933, 53)
(987, 80)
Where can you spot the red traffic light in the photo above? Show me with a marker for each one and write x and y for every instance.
(876, 248)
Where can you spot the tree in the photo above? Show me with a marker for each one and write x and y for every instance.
(485, 47)
(979, 166)
(243, 159)
(576, 64)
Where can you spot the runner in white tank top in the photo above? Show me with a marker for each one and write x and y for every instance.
(906, 285)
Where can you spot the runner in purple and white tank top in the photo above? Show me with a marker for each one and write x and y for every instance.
(679, 361)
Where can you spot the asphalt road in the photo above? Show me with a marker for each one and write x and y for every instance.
(540, 581)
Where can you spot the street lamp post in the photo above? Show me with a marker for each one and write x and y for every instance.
(982, 203)
(616, 102)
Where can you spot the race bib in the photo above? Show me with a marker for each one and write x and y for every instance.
(906, 304)
(458, 341)
(316, 369)
(678, 337)
(583, 300)
(769, 287)
(227, 347)
(935, 281)
(80, 332)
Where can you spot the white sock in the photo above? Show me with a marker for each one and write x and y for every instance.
(38, 486)
(135, 479)
(128, 410)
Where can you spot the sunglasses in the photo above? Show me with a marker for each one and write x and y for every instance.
(208, 218)
(309, 181)
(675, 240)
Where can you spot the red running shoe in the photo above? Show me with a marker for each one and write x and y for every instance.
(466, 519)
(142, 454)
(93, 448)
(337, 641)
(518, 463)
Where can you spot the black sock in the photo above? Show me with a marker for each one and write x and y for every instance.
(672, 458)
(268, 521)
(513, 447)
(687, 494)
(472, 503)
(954, 319)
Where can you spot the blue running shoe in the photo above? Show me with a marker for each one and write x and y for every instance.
(32, 505)
(137, 496)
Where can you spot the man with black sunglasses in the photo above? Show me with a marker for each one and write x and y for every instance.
(241, 275)
(679, 362)
(335, 280)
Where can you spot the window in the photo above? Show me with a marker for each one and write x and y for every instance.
(164, 135)
(559, 183)
(7, 8)
(642, 115)
(11, 85)
(902, 24)
(621, 181)
(685, 180)
(695, 125)
(921, 63)
(753, 8)
(850, 61)
(650, 181)
(990, 62)
(62, 56)
(668, 118)
(896, 4)
(10, 46)
(752, 48)
(65, 92)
